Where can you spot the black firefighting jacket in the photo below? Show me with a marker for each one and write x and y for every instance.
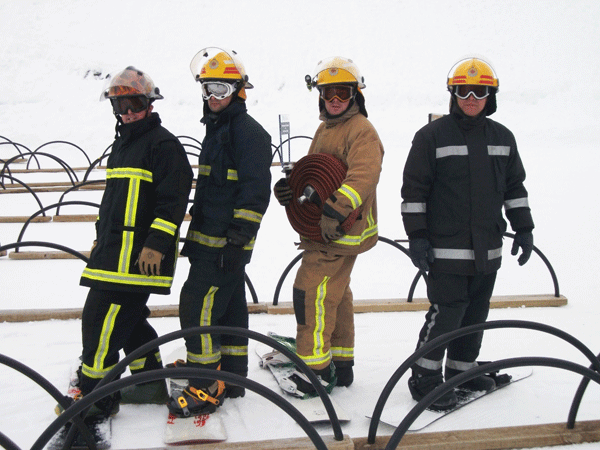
(459, 174)
(148, 182)
(234, 183)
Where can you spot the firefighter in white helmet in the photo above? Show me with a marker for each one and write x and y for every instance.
(321, 293)
(462, 170)
(148, 182)
(232, 195)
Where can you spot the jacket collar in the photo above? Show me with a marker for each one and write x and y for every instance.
(131, 131)
(352, 111)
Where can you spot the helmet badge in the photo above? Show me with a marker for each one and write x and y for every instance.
(213, 64)
(472, 71)
(333, 71)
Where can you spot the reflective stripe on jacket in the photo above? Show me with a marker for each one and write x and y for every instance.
(456, 182)
(148, 182)
(353, 139)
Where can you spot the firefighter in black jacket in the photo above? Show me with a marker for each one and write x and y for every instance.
(232, 195)
(148, 182)
(461, 170)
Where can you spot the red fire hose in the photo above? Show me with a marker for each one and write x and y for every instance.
(313, 179)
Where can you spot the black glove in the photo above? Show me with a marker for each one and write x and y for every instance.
(283, 192)
(230, 257)
(523, 239)
(421, 253)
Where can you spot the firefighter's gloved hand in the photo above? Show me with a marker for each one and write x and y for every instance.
(523, 239)
(331, 228)
(231, 257)
(283, 192)
(421, 253)
(149, 261)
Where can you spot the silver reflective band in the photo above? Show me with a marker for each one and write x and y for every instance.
(498, 150)
(413, 208)
(463, 254)
(216, 89)
(452, 150)
(517, 203)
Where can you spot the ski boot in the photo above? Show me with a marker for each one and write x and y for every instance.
(423, 381)
(231, 390)
(195, 401)
(299, 385)
(153, 392)
(481, 383)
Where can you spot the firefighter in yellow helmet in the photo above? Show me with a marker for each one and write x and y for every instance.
(321, 293)
(232, 195)
(461, 172)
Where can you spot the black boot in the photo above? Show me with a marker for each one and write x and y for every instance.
(344, 373)
(423, 381)
(481, 383)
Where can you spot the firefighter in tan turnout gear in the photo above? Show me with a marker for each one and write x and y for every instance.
(148, 183)
(321, 294)
(461, 171)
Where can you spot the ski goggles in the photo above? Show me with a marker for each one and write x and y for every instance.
(341, 92)
(479, 92)
(217, 89)
(122, 105)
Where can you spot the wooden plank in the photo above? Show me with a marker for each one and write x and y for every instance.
(75, 218)
(35, 315)
(23, 219)
(504, 438)
(422, 304)
(253, 308)
(45, 254)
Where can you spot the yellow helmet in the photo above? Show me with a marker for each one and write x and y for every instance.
(335, 70)
(218, 64)
(473, 71)
(131, 82)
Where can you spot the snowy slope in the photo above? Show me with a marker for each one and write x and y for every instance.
(545, 54)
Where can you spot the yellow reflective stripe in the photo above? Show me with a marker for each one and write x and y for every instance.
(213, 241)
(203, 239)
(135, 176)
(248, 215)
(127, 278)
(163, 225)
(208, 352)
(352, 195)
(316, 360)
(138, 364)
(232, 174)
(98, 370)
(318, 357)
(204, 170)
(230, 350)
(129, 172)
(343, 352)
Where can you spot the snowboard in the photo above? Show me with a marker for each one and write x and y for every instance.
(394, 414)
(99, 427)
(281, 368)
(200, 429)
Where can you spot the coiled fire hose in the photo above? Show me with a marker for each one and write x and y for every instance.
(312, 180)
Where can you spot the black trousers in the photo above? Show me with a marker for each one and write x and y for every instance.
(457, 301)
(210, 297)
(114, 321)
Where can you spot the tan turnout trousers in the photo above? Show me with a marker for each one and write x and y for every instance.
(323, 308)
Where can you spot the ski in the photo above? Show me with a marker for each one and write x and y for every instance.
(98, 426)
(200, 429)
(393, 414)
(281, 367)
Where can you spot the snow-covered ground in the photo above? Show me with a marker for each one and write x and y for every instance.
(55, 56)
